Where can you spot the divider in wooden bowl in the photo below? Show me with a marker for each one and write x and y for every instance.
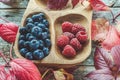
(55, 18)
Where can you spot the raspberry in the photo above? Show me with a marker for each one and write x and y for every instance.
(69, 35)
(76, 28)
(82, 36)
(67, 27)
(69, 51)
(62, 41)
(75, 44)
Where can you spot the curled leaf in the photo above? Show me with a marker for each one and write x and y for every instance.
(8, 32)
(112, 39)
(98, 5)
(57, 4)
(62, 75)
(75, 2)
(102, 74)
(102, 59)
(25, 70)
(59, 75)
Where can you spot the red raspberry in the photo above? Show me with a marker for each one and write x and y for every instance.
(75, 44)
(68, 34)
(62, 41)
(76, 28)
(82, 36)
(67, 26)
(69, 51)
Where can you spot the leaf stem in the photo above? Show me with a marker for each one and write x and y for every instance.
(11, 48)
(3, 56)
(4, 20)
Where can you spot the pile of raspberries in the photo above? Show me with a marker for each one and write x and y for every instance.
(72, 39)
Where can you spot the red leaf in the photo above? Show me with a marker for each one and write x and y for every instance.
(57, 4)
(11, 76)
(115, 52)
(8, 32)
(98, 5)
(75, 2)
(112, 39)
(3, 74)
(102, 59)
(25, 70)
(102, 74)
(99, 29)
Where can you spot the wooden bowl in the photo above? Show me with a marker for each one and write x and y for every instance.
(77, 15)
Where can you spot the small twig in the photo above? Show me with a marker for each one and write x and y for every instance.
(113, 18)
(3, 56)
(45, 73)
(117, 16)
(4, 20)
(11, 48)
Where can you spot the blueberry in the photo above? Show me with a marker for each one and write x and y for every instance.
(29, 20)
(45, 22)
(21, 43)
(28, 35)
(36, 30)
(41, 44)
(46, 30)
(41, 25)
(38, 54)
(42, 14)
(31, 38)
(29, 56)
(34, 44)
(26, 44)
(22, 37)
(29, 26)
(45, 35)
(37, 18)
(23, 30)
(36, 23)
(47, 42)
(39, 36)
(23, 51)
(45, 51)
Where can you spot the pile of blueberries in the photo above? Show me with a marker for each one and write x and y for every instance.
(34, 40)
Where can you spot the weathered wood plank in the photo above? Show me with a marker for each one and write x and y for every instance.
(17, 4)
(14, 15)
(82, 71)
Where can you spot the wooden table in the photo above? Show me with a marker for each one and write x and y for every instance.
(14, 13)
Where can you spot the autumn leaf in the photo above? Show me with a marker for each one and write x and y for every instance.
(98, 5)
(102, 74)
(100, 28)
(75, 2)
(107, 64)
(8, 32)
(25, 69)
(102, 59)
(3, 73)
(112, 39)
(57, 4)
